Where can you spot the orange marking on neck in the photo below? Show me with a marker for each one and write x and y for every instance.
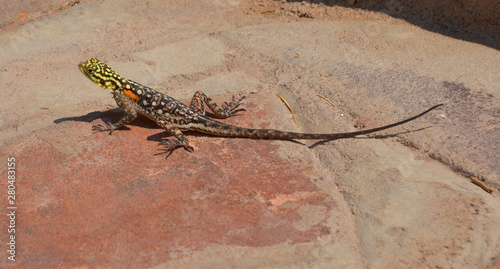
(134, 97)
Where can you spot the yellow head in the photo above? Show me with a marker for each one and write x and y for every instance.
(101, 74)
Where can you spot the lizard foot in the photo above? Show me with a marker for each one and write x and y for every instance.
(171, 145)
(232, 107)
(103, 128)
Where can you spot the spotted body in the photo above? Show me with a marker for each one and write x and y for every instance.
(175, 117)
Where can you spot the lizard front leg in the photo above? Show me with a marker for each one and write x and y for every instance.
(227, 110)
(125, 104)
(171, 144)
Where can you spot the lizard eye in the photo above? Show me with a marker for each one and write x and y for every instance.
(90, 70)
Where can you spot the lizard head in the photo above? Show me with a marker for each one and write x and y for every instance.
(101, 74)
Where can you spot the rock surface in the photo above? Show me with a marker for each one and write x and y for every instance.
(95, 200)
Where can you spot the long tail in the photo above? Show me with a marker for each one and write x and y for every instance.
(221, 129)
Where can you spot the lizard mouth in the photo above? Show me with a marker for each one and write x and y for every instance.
(83, 69)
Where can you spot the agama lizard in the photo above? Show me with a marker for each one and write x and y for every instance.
(175, 117)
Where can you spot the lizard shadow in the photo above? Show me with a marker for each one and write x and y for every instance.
(111, 116)
(89, 117)
(370, 137)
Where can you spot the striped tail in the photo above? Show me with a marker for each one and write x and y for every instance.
(220, 129)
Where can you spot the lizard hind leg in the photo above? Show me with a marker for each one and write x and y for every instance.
(172, 144)
(227, 110)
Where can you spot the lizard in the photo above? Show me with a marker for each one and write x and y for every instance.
(176, 117)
